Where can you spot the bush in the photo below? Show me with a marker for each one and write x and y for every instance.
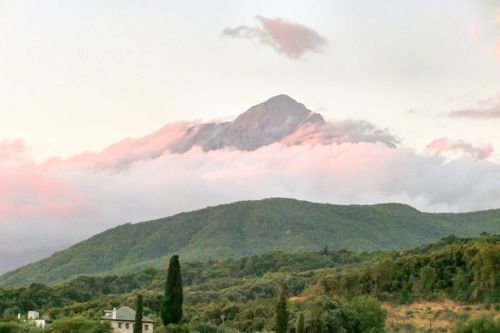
(370, 314)
(14, 327)
(204, 328)
(174, 328)
(479, 325)
(79, 325)
(11, 328)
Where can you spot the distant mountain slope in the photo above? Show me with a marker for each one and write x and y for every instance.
(251, 227)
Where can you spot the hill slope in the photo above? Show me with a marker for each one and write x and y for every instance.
(251, 227)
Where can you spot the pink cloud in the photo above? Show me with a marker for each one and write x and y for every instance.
(11, 150)
(126, 152)
(339, 132)
(445, 145)
(182, 137)
(26, 189)
(52, 203)
(285, 37)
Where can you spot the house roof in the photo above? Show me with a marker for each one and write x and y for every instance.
(124, 314)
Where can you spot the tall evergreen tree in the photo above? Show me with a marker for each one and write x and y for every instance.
(281, 310)
(300, 324)
(171, 310)
(138, 315)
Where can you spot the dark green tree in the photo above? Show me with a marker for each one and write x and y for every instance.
(461, 286)
(138, 315)
(300, 324)
(369, 312)
(171, 310)
(281, 310)
(424, 285)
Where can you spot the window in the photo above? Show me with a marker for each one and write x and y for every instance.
(146, 327)
(127, 326)
(119, 325)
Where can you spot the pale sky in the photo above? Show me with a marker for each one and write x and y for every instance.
(81, 75)
(78, 76)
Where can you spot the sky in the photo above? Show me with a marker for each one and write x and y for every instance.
(80, 76)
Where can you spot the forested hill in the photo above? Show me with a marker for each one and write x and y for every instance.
(251, 227)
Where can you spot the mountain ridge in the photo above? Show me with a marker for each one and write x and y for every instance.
(251, 227)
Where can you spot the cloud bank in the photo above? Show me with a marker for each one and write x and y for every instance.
(56, 204)
(287, 38)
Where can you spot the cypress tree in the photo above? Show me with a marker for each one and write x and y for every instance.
(300, 324)
(282, 311)
(138, 315)
(171, 310)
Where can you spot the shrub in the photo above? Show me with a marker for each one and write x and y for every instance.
(204, 328)
(370, 314)
(174, 328)
(479, 325)
(79, 325)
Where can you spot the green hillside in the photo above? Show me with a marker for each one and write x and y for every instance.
(461, 274)
(252, 227)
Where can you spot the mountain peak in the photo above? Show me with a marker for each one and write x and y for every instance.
(270, 121)
(280, 111)
(281, 98)
(262, 124)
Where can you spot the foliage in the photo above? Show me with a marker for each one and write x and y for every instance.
(281, 313)
(423, 285)
(329, 315)
(16, 327)
(138, 315)
(79, 325)
(247, 228)
(370, 314)
(174, 328)
(479, 325)
(461, 286)
(333, 291)
(448, 267)
(300, 324)
(171, 311)
(204, 328)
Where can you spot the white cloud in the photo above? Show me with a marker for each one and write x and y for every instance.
(338, 173)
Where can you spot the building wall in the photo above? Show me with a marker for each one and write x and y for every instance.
(32, 315)
(121, 327)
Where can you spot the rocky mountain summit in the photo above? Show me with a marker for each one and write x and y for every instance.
(262, 124)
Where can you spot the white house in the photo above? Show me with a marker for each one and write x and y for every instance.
(122, 320)
(40, 323)
(33, 315)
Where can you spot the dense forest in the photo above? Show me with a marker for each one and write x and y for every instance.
(247, 228)
(328, 291)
